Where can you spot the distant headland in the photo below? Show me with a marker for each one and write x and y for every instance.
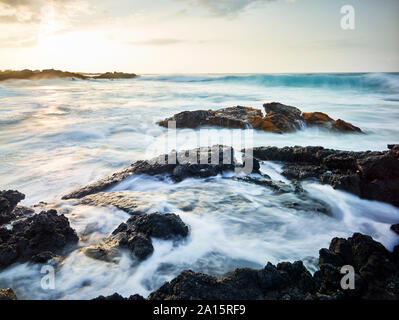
(27, 74)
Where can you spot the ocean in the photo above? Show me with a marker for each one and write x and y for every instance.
(58, 135)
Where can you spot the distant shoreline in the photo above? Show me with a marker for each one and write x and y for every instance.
(27, 74)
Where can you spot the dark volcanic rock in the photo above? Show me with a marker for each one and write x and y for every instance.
(135, 235)
(7, 294)
(369, 175)
(279, 118)
(200, 162)
(287, 280)
(8, 201)
(376, 277)
(46, 231)
(118, 297)
(235, 117)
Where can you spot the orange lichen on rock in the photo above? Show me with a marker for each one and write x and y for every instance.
(279, 118)
(321, 119)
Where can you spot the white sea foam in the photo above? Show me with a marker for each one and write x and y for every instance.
(57, 135)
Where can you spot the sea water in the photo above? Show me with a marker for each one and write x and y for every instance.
(59, 135)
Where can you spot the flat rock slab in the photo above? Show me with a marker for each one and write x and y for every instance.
(124, 200)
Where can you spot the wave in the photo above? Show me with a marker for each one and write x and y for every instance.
(368, 81)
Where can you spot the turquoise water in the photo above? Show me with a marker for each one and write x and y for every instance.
(57, 135)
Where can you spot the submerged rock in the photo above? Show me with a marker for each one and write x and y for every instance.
(279, 118)
(124, 200)
(369, 175)
(34, 237)
(135, 235)
(200, 162)
(7, 294)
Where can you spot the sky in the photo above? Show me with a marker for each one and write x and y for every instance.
(199, 36)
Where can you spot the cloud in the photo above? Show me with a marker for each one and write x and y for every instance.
(156, 42)
(32, 11)
(225, 7)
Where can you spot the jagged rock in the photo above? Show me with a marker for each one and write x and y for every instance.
(235, 117)
(271, 283)
(369, 175)
(124, 200)
(291, 281)
(46, 231)
(8, 201)
(199, 162)
(320, 119)
(118, 297)
(7, 294)
(279, 118)
(135, 235)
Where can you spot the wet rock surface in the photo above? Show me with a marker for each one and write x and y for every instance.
(135, 235)
(279, 118)
(8, 201)
(370, 175)
(123, 200)
(200, 162)
(376, 277)
(7, 294)
(33, 237)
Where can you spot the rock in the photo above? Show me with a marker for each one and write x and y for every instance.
(369, 175)
(135, 235)
(199, 162)
(46, 231)
(284, 118)
(292, 281)
(270, 283)
(395, 228)
(279, 118)
(328, 257)
(124, 200)
(320, 119)
(51, 73)
(8, 201)
(37, 75)
(115, 75)
(235, 117)
(7, 294)
(118, 297)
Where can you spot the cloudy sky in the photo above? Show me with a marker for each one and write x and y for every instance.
(198, 36)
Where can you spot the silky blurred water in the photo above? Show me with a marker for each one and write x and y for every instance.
(58, 135)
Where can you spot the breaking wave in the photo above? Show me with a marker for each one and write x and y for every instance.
(368, 81)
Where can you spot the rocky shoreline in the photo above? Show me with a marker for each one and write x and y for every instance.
(52, 74)
(279, 118)
(37, 238)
